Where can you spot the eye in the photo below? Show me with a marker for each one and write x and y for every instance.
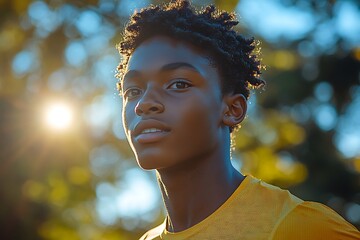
(132, 93)
(179, 84)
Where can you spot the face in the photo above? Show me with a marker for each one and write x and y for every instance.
(172, 104)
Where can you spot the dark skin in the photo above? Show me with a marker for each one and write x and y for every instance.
(177, 122)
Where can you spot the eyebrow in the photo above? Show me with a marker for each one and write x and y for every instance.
(165, 68)
(177, 65)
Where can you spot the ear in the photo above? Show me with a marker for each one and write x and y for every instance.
(235, 109)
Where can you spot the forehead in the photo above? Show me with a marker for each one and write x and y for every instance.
(156, 52)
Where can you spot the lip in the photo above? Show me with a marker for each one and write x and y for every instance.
(151, 136)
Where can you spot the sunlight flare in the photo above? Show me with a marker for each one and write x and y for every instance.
(58, 116)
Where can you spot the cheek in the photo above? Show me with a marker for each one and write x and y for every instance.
(127, 116)
(124, 119)
(199, 121)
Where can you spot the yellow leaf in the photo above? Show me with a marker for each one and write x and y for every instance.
(78, 175)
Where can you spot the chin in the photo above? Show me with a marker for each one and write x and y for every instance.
(149, 162)
(146, 166)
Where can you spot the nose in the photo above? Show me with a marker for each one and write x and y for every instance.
(148, 104)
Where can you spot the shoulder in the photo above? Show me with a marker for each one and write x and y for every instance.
(311, 220)
(154, 233)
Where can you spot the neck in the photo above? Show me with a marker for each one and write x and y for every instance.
(195, 190)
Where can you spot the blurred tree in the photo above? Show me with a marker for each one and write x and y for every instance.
(52, 184)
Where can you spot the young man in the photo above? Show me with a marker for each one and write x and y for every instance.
(185, 79)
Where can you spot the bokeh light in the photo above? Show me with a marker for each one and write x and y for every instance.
(58, 116)
(78, 176)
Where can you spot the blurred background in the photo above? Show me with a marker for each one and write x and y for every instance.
(66, 170)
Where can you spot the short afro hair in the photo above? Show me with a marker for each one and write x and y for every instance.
(208, 29)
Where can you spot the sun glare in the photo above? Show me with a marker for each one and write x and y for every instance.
(58, 116)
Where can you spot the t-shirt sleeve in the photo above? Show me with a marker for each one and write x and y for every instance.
(310, 220)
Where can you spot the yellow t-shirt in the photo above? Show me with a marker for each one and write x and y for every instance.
(257, 210)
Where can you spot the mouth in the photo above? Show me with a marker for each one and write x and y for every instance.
(150, 131)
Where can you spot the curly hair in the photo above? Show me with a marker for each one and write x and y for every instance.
(208, 29)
